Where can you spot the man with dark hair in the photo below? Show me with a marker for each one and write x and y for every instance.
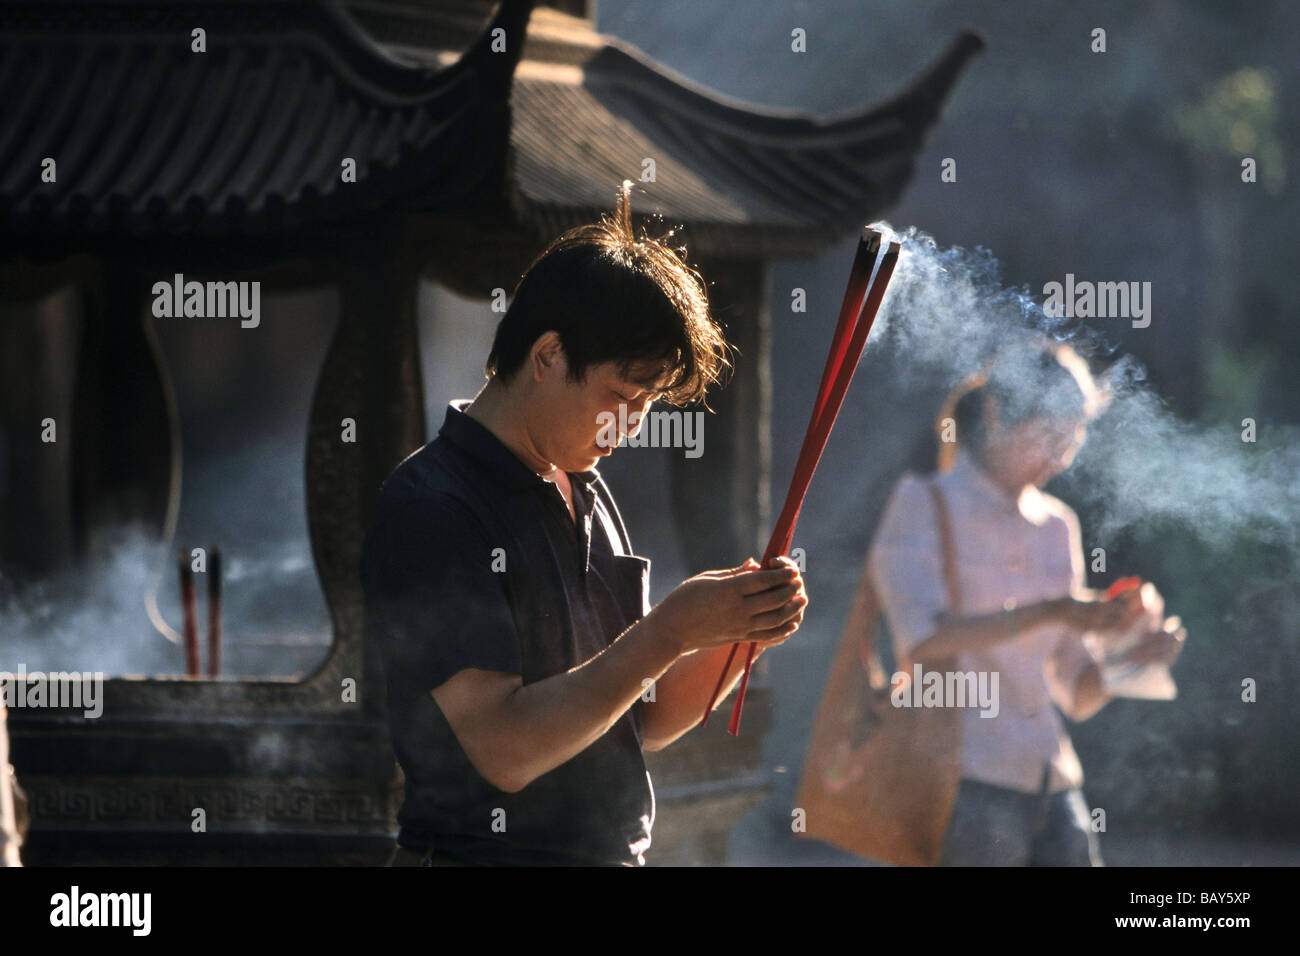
(502, 590)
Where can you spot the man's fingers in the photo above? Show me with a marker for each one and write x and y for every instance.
(748, 565)
(769, 637)
(757, 604)
(779, 616)
(754, 582)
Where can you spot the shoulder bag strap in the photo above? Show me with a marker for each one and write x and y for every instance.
(946, 547)
(867, 605)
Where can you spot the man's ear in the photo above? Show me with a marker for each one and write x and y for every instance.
(547, 356)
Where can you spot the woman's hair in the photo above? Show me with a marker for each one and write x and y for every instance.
(1033, 379)
(612, 297)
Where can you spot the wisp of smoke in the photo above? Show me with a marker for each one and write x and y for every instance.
(94, 619)
(947, 313)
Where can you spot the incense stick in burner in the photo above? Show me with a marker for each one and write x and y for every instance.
(190, 612)
(214, 612)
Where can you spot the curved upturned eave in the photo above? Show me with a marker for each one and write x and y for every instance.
(626, 66)
(779, 181)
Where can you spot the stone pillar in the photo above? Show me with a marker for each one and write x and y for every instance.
(125, 429)
(38, 354)
(722, 505)
(371, 375)
(721, 500)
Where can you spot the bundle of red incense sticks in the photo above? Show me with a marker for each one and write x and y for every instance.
(190, 612)
(862, 298)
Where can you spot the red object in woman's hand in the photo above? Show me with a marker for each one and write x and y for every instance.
(1132, 590)
(1130, 583)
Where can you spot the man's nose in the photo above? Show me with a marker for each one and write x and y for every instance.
(636, 418)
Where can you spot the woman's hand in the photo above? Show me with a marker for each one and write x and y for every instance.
(1090, 611)
(1155, 639)
(1160, 646)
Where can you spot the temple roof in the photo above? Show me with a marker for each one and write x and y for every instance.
(155, 141)
(788, 181)
(151, 138)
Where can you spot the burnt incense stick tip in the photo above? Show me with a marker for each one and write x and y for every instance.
(189, 612)
(872, 237)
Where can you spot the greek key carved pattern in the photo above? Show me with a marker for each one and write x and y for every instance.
(257, 804)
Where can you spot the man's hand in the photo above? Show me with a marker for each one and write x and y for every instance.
(744, 603)
(730, 610)
(513, 733)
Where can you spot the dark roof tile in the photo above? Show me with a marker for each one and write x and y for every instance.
(144, 131)
(154, 140)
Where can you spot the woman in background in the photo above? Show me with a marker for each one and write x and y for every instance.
(9, 836)
(1024, 608)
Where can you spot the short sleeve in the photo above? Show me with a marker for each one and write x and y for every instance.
(906, 567)
(436, 595)
(1075, 652)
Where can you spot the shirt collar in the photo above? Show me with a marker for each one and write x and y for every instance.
(969, 472)
(473, 437)
(1028, 502)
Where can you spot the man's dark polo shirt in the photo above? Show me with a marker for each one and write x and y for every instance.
(472, 560)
